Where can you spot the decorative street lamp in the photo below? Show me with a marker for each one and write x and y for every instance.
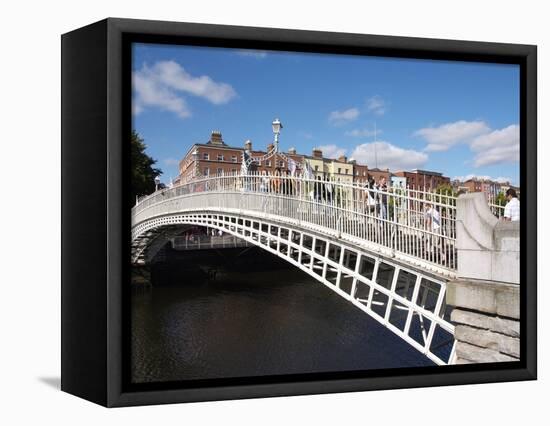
(277, 126)
(157, 183)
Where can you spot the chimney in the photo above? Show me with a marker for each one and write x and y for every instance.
(317, 153)
(270, 147)
(343, 159)
(292, 151)
(248, 145)
(216, 138)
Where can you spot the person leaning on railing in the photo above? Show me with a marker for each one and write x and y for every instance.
(511, 210)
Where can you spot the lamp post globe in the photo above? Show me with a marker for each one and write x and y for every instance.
(277, 126)
(157, 183)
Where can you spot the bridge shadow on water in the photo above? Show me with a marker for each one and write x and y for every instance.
(244, 312)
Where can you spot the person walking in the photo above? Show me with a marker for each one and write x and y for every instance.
(383, 197)
(435, 244)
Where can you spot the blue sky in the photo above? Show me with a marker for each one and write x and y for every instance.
(458, 118)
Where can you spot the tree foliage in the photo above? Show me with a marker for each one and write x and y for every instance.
(446, 189)
(143, 173)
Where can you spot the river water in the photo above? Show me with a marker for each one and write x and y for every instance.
(244, 312)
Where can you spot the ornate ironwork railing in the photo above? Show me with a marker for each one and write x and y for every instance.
(419, 226)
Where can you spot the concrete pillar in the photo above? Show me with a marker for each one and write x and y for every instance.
(485, 295)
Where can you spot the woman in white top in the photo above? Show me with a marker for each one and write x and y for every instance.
(511, 210)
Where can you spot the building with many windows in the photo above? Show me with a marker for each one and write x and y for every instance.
(360, 173)
(215, 157)
(490, 187)
(273, 163)
(341, 170)
(210, 158)
(423, 179)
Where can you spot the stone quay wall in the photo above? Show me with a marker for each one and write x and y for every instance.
(485, 295)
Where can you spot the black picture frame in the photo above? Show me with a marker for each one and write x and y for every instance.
(96, 120)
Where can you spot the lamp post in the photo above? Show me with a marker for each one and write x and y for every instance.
(157, 183)
(277, 126)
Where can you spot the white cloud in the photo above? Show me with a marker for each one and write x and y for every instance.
(150, 93)
(502, 179)
(499, 146)
(376, 105)
(338, 118)
(362, 133)
(258, 54)
(332, 151)
(389, 156)
(445, 136)
(499, 179)
(161, 86)
(490, 146)
(171, 161)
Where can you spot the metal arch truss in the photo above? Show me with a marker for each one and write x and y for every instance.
(408, 302)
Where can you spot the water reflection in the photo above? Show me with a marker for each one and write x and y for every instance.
(258, 316)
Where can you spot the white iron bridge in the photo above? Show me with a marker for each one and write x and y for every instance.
(388, 252)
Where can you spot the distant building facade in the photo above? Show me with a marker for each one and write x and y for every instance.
(377, 174)
(360, 173)
(272, 164)
(487, 186)
(424, 180)
(215, 157)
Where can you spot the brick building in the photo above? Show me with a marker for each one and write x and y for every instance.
(423, 179)
(210, 158)
(380, 173)
(360, 173)
(487, 186)
(215, 157)
(271, 164)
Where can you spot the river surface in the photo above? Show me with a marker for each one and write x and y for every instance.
(257, 316)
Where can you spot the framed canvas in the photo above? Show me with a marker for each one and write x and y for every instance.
(254, 212)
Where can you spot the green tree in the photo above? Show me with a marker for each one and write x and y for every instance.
(500, 199)
(143, 173)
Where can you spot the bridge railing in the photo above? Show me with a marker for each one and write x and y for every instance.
(415, 223)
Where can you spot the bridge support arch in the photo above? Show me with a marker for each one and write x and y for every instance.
(408, 302)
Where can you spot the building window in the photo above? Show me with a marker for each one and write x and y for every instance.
(257, 160)
(234, 171)
(339, 170)
(281, 163)
(220, 157)
(206, 156)
(220, 170)
(316, 168)
(268, 163)
(234, 158)
(206, 172)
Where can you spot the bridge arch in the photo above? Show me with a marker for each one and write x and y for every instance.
(408, 302)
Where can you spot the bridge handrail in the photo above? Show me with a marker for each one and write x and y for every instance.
(397, 218)
(438, 199)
